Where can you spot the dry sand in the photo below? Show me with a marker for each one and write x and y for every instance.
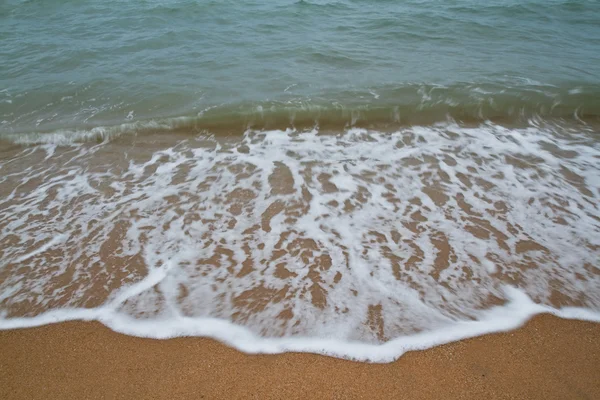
(548, 358)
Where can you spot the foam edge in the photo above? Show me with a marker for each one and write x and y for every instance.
(514, 314)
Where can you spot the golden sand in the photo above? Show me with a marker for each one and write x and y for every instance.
(549, 358)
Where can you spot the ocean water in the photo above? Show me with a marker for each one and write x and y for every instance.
(353, 178)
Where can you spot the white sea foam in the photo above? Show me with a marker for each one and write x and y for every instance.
(499, 319)
(362, 245)
(41, 249)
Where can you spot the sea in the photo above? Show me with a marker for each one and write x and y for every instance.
(351, 178)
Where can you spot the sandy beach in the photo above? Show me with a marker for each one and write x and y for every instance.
(548, 358)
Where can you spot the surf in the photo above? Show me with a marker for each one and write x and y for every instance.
(361, 244)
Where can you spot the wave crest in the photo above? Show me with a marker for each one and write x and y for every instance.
(381, 109)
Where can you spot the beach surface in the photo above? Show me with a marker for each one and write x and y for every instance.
(548, 358)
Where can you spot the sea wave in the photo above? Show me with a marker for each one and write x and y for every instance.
(376, 108)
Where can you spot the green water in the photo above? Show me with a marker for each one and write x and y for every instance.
(74, 65)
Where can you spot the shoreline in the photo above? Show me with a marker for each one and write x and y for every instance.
(547, 358)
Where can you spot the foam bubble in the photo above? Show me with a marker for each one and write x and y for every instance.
(362, 245)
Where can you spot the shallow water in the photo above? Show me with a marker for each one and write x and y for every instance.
(69, 65)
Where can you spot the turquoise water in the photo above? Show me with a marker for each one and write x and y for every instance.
(76, 65)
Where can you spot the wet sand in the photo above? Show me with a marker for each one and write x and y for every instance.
(548, 358)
